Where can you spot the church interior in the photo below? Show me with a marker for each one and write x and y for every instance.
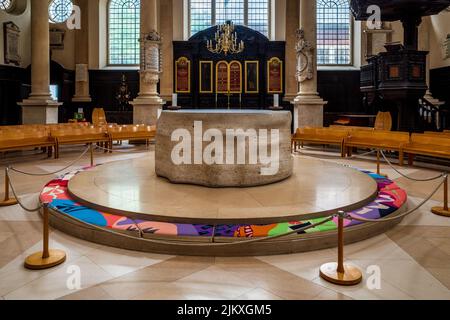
(224, 149)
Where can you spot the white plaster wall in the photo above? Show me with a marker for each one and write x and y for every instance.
(66, 56)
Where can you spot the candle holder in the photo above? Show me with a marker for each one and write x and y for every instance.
(174, 105)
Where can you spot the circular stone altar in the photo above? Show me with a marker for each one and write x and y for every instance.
(316, 189)
(224, 148)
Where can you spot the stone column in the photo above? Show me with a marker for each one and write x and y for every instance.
(40, 108)
(292, 18)
(309, 107)
(166, 86)
(148, 104)
(82, 56)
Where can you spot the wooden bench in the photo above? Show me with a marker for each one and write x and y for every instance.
(427, 145)
(351, 128)
(131, 132)
(12, 140)
(324, 136)
(439, 134)
(86, 135)
(380, 140)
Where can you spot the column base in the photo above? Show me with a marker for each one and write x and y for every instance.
(39, 111)
(82, 99)
(308, 111)
(147, 110)
(289, 97)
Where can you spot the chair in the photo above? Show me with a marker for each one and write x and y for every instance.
(383, 121)
(99, 117)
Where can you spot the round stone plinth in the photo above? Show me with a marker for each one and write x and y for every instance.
(315, 190)
(224, 148)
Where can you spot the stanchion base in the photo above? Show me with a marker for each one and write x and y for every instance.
(440, 211)
(7, 203)
(352, 276)
(36, 262)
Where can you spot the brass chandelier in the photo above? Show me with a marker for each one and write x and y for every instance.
(225, 40)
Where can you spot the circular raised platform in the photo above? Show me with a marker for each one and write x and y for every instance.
(224, 148)
(211, 238)
(131, 187)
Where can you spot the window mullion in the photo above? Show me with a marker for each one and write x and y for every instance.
(213, 13)
(246, 12)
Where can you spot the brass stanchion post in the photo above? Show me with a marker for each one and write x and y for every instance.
(91, 149)
(379, 164)
(48, 258)
(7, 200)
(340, 273)
(443, 211)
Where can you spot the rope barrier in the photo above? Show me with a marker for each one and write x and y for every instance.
(17, 198)
(51, 173)
(400, 216)
(351, 157)
(112, 150)
(407, 177)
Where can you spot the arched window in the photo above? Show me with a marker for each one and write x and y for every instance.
(5, 4)
(123, 32)
(206, 13)
(60, 10)
(334, 32)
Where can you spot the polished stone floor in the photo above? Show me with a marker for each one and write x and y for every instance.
(413, 259)
(131, 187)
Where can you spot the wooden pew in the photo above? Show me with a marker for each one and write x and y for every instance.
(351, 128)
(441, 134)
(324, 136)
(131, 132)
(20, 139)
(380, 140)
(427, 145)
(84, 135)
